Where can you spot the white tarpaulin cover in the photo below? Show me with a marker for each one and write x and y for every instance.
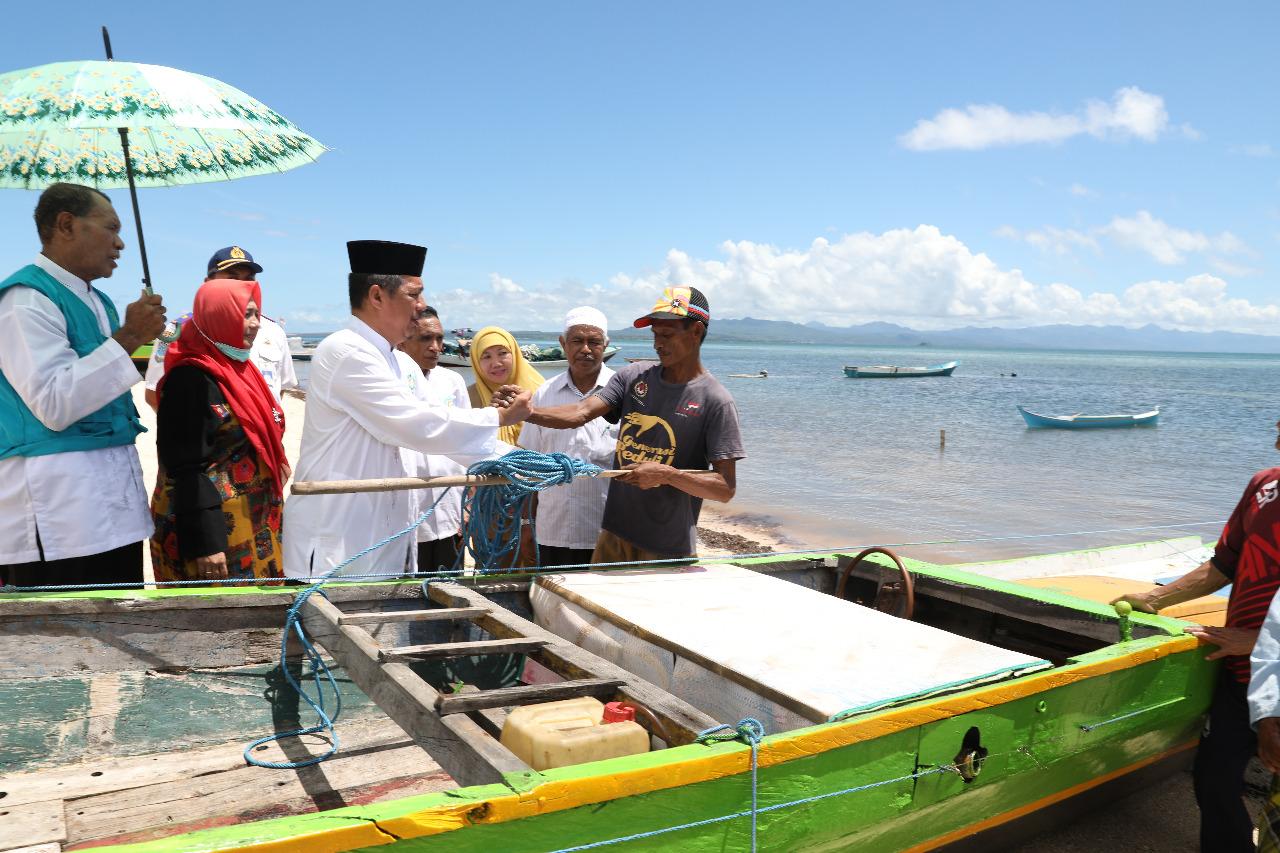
(738, 643)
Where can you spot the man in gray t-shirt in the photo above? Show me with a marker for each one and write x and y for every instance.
(676, 421)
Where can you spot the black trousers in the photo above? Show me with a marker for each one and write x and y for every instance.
(119, 565)
(438, 554)
(1226, 746)
(554, 555)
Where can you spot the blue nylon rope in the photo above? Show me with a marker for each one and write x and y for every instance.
(494, 512)
(493, 531)
(750, 731)
(319, 669)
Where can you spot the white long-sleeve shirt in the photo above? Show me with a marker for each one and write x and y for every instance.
(446, 388)
(569, 515)
(80, 502)
(360, 413)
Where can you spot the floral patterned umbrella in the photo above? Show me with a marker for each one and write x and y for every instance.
(60, 122)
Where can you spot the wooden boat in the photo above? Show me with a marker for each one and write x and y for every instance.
(886, 371)
(454, 358)
(1079, 421)
(126, 713)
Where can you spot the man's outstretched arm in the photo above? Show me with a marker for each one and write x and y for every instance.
(570, 415)
(718, 484)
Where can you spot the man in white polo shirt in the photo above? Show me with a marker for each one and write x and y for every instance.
(438, 538)
(568, 517)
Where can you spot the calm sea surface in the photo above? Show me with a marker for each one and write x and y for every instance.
(838, 462)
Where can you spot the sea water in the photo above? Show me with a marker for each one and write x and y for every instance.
(849, 461)
(833, 461)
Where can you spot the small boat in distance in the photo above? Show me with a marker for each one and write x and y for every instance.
(556, 360)
(763, 374)
(1079, 421)
(299, 350)
(886, 371)
(634, 359)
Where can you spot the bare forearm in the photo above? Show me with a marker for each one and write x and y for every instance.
(570, 416)
(1203, 580)
(709, 485)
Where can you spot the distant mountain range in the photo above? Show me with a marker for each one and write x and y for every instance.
(1148, 338)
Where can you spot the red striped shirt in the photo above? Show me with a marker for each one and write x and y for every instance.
(1248, 553)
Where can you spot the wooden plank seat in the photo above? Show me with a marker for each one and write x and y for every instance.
(513, 645)
(438, 614)
(526, 694)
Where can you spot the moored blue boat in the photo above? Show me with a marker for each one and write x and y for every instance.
(1079, 421)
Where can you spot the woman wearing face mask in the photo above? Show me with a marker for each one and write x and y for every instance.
(218, 497)
(497, 361)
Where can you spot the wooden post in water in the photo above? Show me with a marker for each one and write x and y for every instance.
(942, 439)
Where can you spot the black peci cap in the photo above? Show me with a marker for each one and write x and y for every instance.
(383, 257)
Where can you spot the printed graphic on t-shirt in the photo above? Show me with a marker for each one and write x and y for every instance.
(1267, 493)
(645, 438)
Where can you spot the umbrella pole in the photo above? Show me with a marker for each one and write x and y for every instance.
(133, 190)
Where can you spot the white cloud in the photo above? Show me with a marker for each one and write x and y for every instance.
(1165, 243)
(1130, 113)
(919, 277)
(1232, 269)
(1261, 149)
(1083, 191)
(332, 315)
(1057, 241)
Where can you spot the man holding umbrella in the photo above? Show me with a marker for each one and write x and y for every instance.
(73, 509)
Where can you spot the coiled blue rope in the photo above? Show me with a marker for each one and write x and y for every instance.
(493, 532)
(494, 512)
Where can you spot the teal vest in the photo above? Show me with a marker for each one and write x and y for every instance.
(115, 424)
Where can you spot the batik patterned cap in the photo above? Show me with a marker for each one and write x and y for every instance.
(678, 303)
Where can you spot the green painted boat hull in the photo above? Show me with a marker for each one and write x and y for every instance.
(879, 781)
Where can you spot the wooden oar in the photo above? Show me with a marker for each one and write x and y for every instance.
(395, 484)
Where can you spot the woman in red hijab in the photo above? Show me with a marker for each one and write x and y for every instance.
(219, 491)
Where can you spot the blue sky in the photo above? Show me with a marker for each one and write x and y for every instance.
(932, 164)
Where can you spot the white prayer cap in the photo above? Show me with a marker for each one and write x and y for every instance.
(585, 315)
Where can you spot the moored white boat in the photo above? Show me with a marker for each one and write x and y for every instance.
(1079, 421)
(889, 371)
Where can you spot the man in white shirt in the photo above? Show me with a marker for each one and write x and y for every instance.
(73, 509)
(361, 412)
(270, 350)
(568, 517)
(438, 535)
